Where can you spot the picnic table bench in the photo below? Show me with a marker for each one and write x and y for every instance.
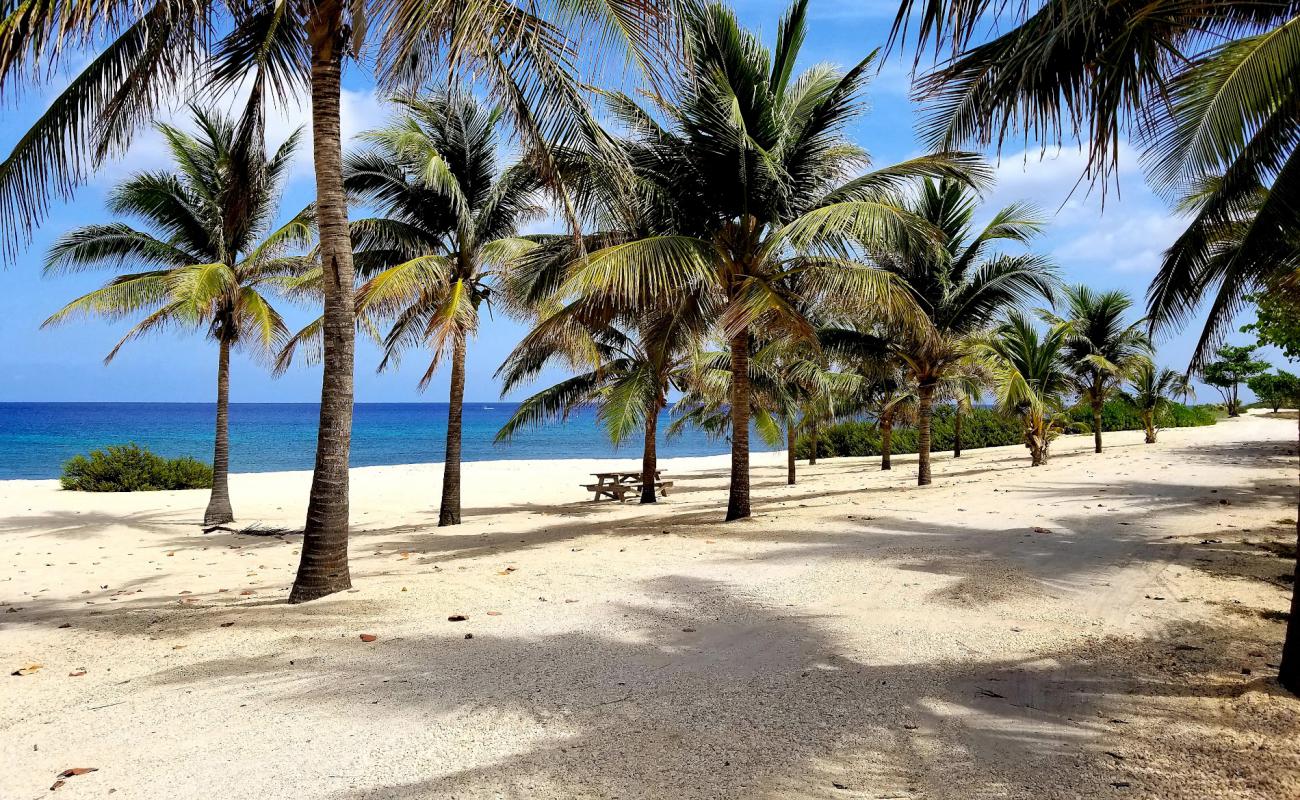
(617, 485)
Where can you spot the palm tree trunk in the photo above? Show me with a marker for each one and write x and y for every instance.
(886, 439)
(650, 455)
(449, 512)
(956, 431)
(1149, 426)
(1036, 441)
(738, 494)
(323, 568)
(1288, 671)
(812, 446)
(1096, 425)
(219, 511)
(924, 416)
(789, 453)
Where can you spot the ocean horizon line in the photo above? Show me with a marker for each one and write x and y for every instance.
(38, 437)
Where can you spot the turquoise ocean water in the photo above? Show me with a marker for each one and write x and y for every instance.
(36, 438)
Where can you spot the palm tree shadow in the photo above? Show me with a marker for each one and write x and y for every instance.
(693, 691)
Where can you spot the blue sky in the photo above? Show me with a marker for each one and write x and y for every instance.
(1118, 247)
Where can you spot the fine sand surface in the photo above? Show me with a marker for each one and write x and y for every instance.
(1104, 626)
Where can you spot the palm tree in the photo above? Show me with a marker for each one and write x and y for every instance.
(1103, 352)
(448, 224)
(962, 287)
(747, 171)
(792, 387)
(1030, 377)
(522, 54)
(205, 262)
(1152, 391)
(637, 362)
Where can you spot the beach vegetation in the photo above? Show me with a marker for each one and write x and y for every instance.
(1233, 366)
(1103, 349)
(207, 259)
(131, 468)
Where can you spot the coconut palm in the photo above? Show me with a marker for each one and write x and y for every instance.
(1103, 350)
(1152, 391)
(144, 54)
(629, 363)
(790, 386)
(447, 226)
(748, 172)
(1030, 377)
(204, 262)
(963, 287)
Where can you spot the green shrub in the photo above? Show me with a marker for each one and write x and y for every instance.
(1121, 415)
(985, 427)
(131, 468)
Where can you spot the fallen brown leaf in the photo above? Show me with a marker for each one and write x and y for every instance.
(368, 637)
(68, 773)
(27, 670)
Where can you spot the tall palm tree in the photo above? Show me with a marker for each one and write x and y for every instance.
(447, 226)
(963, 287)
(1030, 377)
(1152, 391)
(748, 173)
(1103, 350)
(147, 53)
(204, 263)
(626, 366)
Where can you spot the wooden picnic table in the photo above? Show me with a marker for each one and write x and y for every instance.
(620, 477)
(617, 485)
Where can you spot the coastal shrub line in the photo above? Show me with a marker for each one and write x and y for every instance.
(984, 427)
(131, 468)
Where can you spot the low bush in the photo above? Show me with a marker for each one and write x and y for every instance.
(1121, 415)
(985, 427)
(131, 468)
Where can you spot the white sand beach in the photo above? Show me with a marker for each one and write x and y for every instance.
(1104, 626)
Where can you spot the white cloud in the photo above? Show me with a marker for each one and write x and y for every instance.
(1123, 242)
(358, 110)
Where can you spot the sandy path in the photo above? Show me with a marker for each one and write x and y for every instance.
(1079, 630)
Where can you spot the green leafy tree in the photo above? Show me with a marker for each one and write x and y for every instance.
(1277, 319)
(747, 170)
(203, 264)
(1209, 86)
(1104, 350)
(1277, 389)
(1233, 367)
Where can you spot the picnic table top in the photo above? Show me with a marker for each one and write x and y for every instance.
(620, 474)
